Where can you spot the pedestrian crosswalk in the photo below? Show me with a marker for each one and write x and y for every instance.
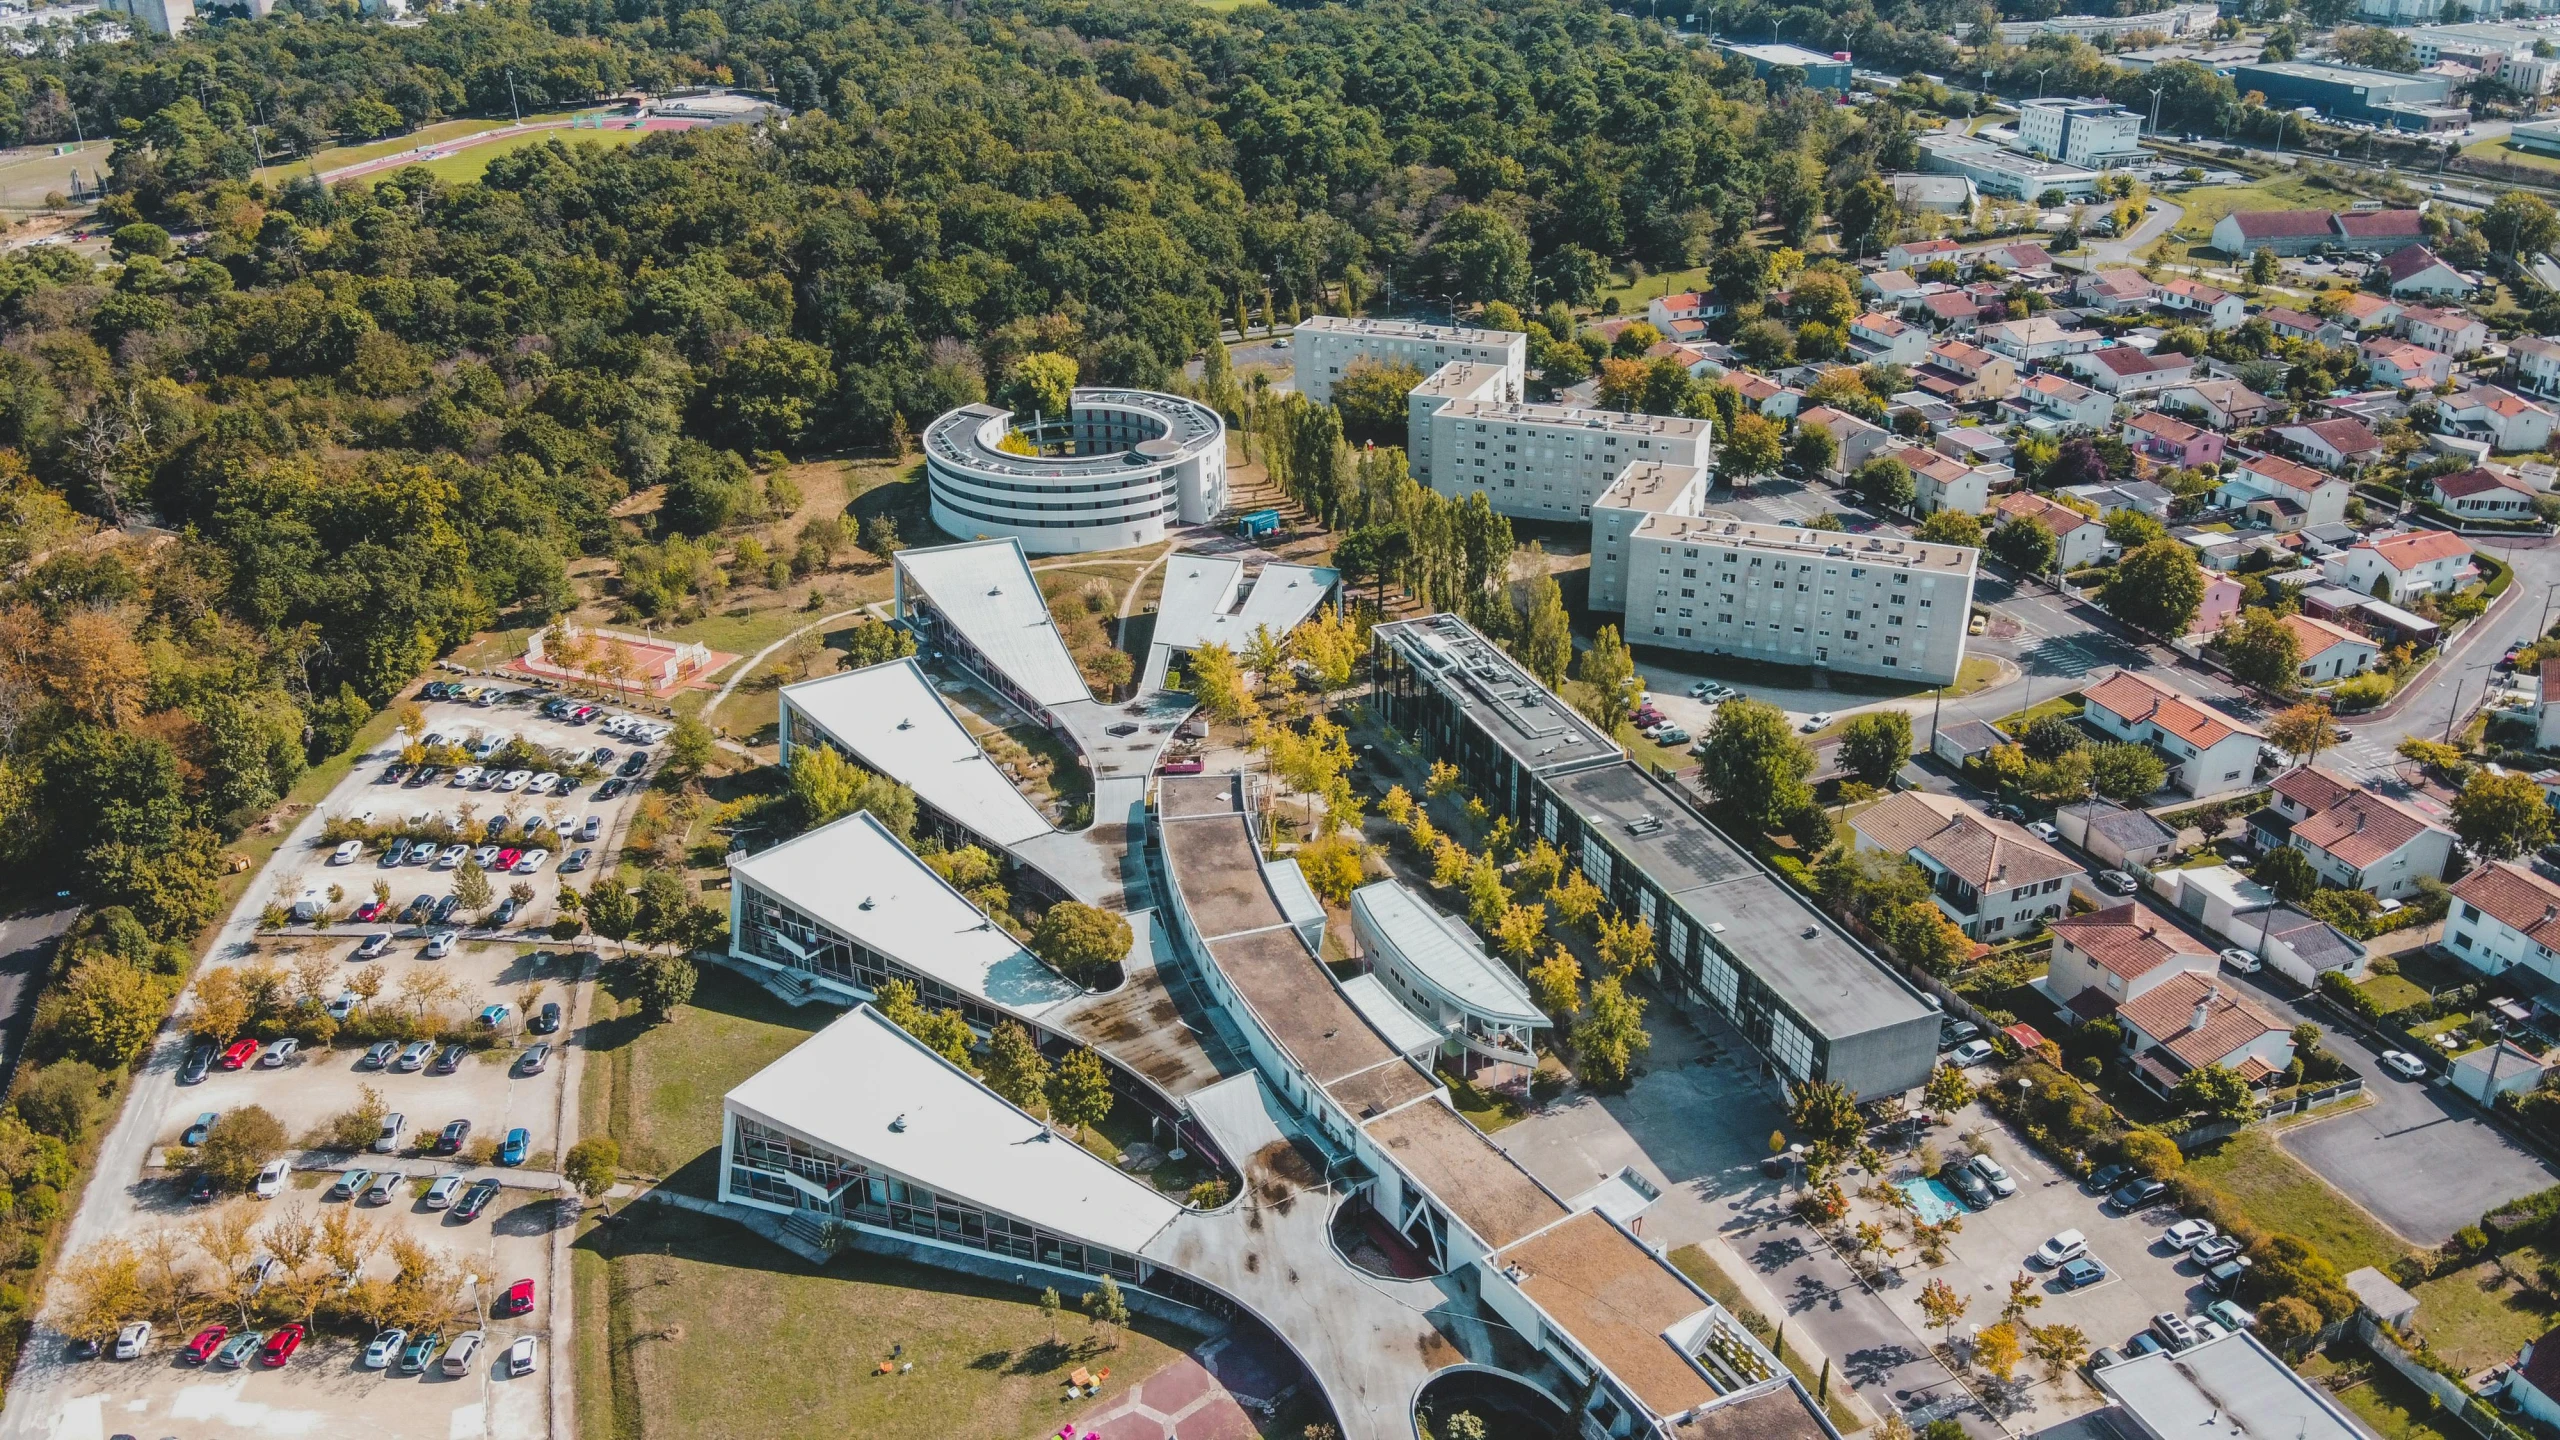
(2365, 756)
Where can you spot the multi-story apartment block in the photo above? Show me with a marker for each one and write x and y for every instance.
(1328, 346)
(1651, 489)
(1550, 462)
(1785, 594)
(1457, 380)
(2095, 133)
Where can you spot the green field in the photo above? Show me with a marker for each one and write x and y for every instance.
(31, 175)
(2205, 208)
(332, 157)
(473, 163)
(2478, 1317)
(2284, 1197)
(2499, 152)
(656, 1088)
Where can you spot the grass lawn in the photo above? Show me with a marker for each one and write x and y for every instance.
(2283, 1196)
(2499, 152)
(1977, 673)
(2206, 206)
(2478, 1317)
(473, 163)
(2392, 993)
(2398, 1410)
(1633, 295)
(2016, 721)
(334, 157)
(656, 1088)
(678, 1290)
(1484, 1109)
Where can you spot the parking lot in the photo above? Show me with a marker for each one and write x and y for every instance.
(325, 1389)
(474, 811)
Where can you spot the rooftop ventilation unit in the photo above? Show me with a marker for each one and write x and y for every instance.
(1644, 825)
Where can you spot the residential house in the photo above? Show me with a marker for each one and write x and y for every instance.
(2035, 339)
(2116, 836)
(1975, 445)
(2021, 255)
(2129, 370)
(2504, 915)
(2503, 418)
(1766, 395)
(2537, 370)
(1683, 317)
(2104, 959)
(1894, 287)
(2189, 1021)
(2480, 493)
(2418, 270)
(1951, 310)
(1912, 254)
(2079, 540)
(2455, 332)
(2221, 605)
(2320, 497)
(2116, 292)
(1881, 338)
(2407, 365)
(1700, 362)
(2354, 838)
(2152, 500)
(1860, 440)
(2293, 324)
(1989, 876)
(2223, 404)
(2363, 313)
(2403, 566)
(2167, 438)
(1943, 482)
(2219, 309)
(2485, 1074)
(2208, 752)
(2329, 651)
(2342, 445)
(1962, 374)
(2066, 401)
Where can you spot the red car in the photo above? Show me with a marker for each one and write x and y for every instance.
(208, 1340)
(507, 860)
(369, 911)
(282, 1344)
(242, 1051)
(519, 1299)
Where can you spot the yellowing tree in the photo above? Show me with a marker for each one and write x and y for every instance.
(1557, 983)
(1217, 682)
(1520, 930)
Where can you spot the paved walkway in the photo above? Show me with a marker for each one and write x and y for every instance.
(1204, 1395)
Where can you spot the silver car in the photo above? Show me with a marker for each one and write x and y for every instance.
(443, 1192)
(385, 1186)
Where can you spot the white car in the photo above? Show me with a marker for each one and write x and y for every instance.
(485, 856)
(444, 1191)
(2241, 960)
(2067, 1246)
(1971, 1052)
(346, 854)
(520, 1357)
(133, 1339)
(2186, 1234)
(451, 856)
(2404, 1064)
(1815, 721)
(345, 1005)
(544, 783)
(440, 946)
(459, 1354)
(2002, 1183)
(2044, 831)
(593, 827)
(466, 777)
(531, 860)
(514, 780)
(374, 944)
(271, 1180)
(279, 1054)
(393, 1125)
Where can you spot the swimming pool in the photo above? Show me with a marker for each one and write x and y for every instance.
(1931, 1201)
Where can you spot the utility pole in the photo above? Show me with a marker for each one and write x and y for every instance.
(2455, 714)
(1934, 707)
(512, 106)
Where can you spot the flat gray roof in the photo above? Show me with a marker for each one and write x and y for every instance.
(1824, 977)
(1501, 699)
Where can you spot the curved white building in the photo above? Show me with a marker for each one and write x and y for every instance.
(1136, 463)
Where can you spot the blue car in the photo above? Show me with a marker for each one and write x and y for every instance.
(196, 1132)
(512, 1152)
(2081, 1273)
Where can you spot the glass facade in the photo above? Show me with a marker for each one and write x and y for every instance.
(773, 931)
(760, 1156)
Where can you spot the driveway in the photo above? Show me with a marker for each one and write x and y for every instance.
(2163, 217)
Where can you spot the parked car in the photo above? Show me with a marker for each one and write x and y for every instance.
(476, 1199)
(195, 1133)
(438, 946)
(346, 854)
(2102, 1357)
(449, 1140)
(281, 1345)
(2231, 1317)
(591, 827)
(2001, 1182)
(1952, 1033)
(271, 1180)
(533, 1059)
(236, 1352)
(385, 1349)
(2173, 1329)
(2185, 1234)
(394, 854)
(351, 1183)
(608, 789)
(2235, 958)
(2044, 831)
(385, 1188)
(576, 861)
(422, 1348)
(345, 1005)
(200, 1186)
(545, 1020)
(1815, 721)
(518, 1299)
(1974, 1190)
(238, 1054)
(512, 1151)
(2008, 812)
(1971, 1052)
(457, 1357)
(2143, 1344)
(393, 1126)
(2137, 1194)
(441, 1194)
(199, 1060)
(2069, 1245)
(2081, 1273)
(209, 1339)
(505, 912)
(532, 860)
(417, 910)
(1671, 735)
(133, 1339)
(2214, 1250)
(451, 856)
(2404, 1064)
(449, 1059)
(280, 1054)
(493, 1016)
(2116, 882)
(370, 911)
(520, 1357)
(379, 1056)
(2224, 1278)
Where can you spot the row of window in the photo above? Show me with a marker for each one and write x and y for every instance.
(1136, 490)
(1089, 522)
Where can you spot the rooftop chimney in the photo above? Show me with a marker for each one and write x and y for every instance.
(2204, 1009)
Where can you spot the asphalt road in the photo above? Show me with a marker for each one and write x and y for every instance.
(2453, 687)
(2162, 218)
(26, 947)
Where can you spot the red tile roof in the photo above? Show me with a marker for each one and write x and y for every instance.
(1985, 853)
(2379, 224)
(2127, 360)
(2516, 897)
(2311, 787)
(2128, 939)
(2167, 1014)
(2361, 829)
(2316, 636)
(2401, 264)
(2416, 547)
(2138, 698)
(2282, 224)
(2053, 515)
(2478, 480)
(2344, 435)
(2277, 470)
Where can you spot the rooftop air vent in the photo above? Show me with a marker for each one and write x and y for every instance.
(899, 1125)
(1644, 825)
